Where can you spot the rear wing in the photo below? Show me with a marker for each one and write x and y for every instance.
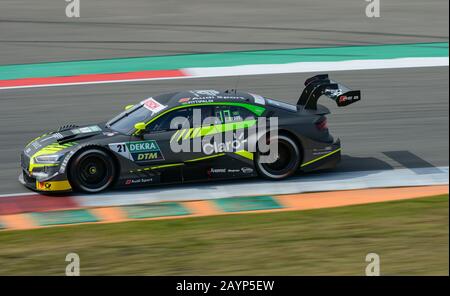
(320, 85)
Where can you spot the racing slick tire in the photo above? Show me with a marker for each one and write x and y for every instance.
(285, 163)
(91, 171)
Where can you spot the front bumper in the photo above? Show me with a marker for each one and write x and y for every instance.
(44, 186)
(45, 178)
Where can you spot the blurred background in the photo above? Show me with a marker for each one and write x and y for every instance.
(34, 31)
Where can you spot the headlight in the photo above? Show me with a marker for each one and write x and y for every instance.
(51, 159)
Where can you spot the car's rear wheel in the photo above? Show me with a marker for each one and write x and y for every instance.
(282, 164)
(92, 171)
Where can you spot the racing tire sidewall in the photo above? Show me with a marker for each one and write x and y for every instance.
(74, 171)
(290, 169)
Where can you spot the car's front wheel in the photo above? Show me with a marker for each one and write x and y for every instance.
(91, 171)
(279, 164)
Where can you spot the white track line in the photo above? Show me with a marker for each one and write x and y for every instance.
(303, 67)
(300, 67)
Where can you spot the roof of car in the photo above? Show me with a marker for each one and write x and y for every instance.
(207, 96)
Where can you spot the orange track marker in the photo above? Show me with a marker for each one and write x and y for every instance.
(354, 197)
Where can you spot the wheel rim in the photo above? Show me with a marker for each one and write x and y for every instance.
(94, 172)
(285, 162)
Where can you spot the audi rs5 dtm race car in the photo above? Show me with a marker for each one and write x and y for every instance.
(141, 145)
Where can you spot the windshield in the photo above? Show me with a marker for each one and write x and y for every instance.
(142, 112)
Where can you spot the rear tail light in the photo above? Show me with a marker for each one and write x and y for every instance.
(322, 124)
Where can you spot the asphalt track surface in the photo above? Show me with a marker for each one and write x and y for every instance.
(35, 31)
(401, 122)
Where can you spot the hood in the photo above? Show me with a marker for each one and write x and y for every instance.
(57, 141)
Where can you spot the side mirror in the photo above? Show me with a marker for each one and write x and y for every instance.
(128, 107)
(140, 127)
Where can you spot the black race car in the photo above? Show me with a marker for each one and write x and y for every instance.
(153, 142)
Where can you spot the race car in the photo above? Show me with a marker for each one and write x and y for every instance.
(216, 135)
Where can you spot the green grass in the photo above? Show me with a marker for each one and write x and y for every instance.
(410, 236)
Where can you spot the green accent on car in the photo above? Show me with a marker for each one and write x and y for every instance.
(165, 166)
(35, 139)
(224, 59)
(176, 164)
(245, 153)
(47, 150)
(155, 210)
(196, 132)
(321, 157)
(63, 217)
(206, 157)
(257, 110)
(250, 203)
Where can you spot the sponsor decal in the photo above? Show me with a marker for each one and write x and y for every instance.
(63, 166)
(213, 170)
(36, 145)
(138, 151)
(110, 134)
(247, 170)
(86, 130)
(54, 136)
(139, 181)
(345, 100)
(145, 146)
(44, 185)
(153, 105)
(199, 101)
(258, 99)
(205, 92)
(321, 151)
(244, 170)
(57, 136)
(226, 146)
(209, 95)
(184, 100)
(342, 99)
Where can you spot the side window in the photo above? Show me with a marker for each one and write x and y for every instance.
(183, 117)
(226, 114)
(200, 114)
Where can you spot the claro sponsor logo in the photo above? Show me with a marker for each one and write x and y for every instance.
(229, 131)
(228, 146)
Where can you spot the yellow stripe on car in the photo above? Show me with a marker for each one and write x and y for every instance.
(192, 133)
(321, 157)
(50, 149)
(206, 157)
(245, 153)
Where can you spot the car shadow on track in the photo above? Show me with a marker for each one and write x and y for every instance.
(363, 165)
